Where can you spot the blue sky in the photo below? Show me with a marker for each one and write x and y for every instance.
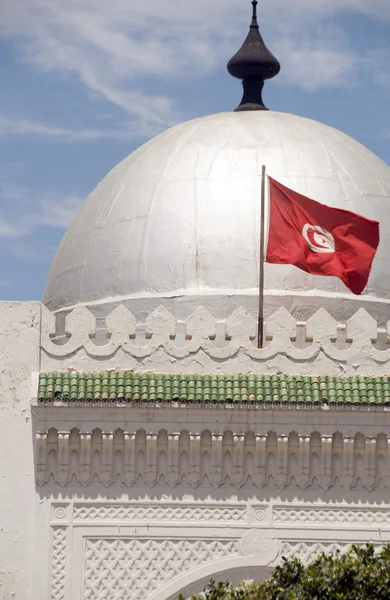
(84, 82)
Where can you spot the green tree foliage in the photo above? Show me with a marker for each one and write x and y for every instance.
(360, 574)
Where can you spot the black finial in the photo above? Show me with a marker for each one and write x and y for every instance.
(253, 63)
(254, 16)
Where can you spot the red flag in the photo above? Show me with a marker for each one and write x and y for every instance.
(319, 239)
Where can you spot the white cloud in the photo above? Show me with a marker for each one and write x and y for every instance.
(21, 213)
(53, 211)
(9, 230)
(321, 59)
(25, 127)
(318, 8)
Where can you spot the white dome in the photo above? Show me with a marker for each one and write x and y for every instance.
(177, 221)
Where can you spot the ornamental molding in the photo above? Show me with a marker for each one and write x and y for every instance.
(161, 512)
(58, 563)
(133, 549)
(201, 344)
(247, 459)
(307, 552)
(282, 515)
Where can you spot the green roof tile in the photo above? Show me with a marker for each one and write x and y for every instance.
(129, 387)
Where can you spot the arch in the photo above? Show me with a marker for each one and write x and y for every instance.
(235, 569)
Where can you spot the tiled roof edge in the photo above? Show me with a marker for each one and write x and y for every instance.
(132, 387)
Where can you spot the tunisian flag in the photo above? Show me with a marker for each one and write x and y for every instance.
(319, 239)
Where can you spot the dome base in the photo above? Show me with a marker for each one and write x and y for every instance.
(301, 305)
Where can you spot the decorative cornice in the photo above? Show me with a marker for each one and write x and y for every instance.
(218, 457)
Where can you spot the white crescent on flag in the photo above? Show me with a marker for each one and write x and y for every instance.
(318, 238)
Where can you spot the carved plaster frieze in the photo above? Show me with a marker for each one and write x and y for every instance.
(329, 515)
(346, 459)
(230, 513)
(308, 551)
(203, 344)
(132, 549)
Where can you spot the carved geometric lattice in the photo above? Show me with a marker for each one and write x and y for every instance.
(158, 513)
(130, 569)
(58, 564)
(361, 517)
(307, 552)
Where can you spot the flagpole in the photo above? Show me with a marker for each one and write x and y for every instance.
(260, 327)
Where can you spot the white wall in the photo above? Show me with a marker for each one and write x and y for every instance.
(19, 357)
(88, 505)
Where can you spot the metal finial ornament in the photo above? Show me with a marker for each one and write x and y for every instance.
(254, 16)
(253, 63)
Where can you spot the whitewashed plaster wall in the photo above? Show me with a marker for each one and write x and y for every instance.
(144, 502)
(174, 495)
(19, 357)
(299, 481)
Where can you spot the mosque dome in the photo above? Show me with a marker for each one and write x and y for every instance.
(177, 221)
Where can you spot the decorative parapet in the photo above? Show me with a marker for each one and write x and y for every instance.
(201, 344)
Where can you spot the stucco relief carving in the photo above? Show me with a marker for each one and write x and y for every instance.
(308, 551)
(58, 564)
(216, 459)
(321, 340)
(255, 544)
(133, 568)
(131, 565)
(159, 512)
(60, 512)
(259, 514)
(329, 516)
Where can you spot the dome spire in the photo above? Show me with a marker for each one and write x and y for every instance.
(253, 63)
(254, 16)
